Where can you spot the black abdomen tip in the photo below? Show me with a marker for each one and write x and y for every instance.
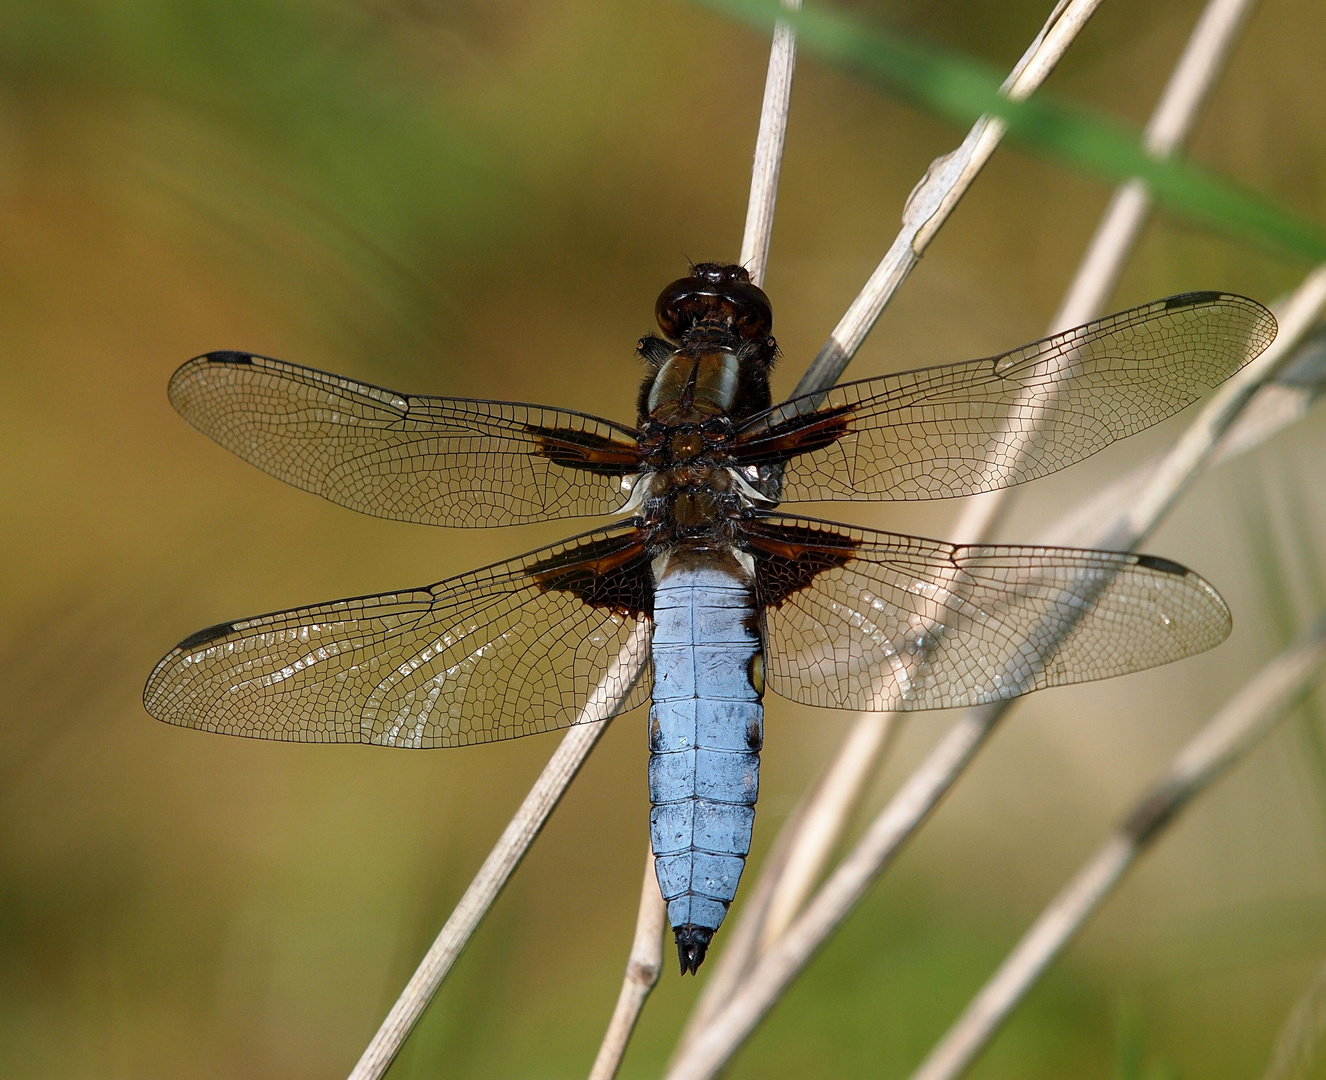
(692, 944)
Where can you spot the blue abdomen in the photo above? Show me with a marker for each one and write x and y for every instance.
(705, 732)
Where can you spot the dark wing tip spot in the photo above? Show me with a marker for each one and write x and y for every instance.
(1190, 299)
(1165, 566)
(202, 637)
(228, 356)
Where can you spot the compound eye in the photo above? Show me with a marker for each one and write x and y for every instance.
(667, 313)
(711, 294)
(754, 314)
(676, 304)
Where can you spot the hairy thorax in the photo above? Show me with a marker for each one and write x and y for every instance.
(693, 494)
(708, 373)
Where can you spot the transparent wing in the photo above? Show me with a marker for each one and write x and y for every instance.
(543, 641)
(870, 620)
(956, 430)
(438, 461)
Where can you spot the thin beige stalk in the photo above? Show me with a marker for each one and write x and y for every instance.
(774, 971)
(577, 743)
(828, 806)
(769, 143)
(1226, 738)
(1275, 406)
(769, 149)
(939, 191)
(510, 848)
(1189, 457)
(1167, 132)
(1190, 83)
(831, 803)
(923, 790)
(642, 970)
(823, 815)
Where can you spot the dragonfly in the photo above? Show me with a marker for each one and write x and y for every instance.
(702, 594)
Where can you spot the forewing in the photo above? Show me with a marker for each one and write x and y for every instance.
(438, 461)
(868, 620)
(546, 640)
(956, 430)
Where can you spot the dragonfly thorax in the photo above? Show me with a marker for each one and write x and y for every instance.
(692, 499)
(691, 389)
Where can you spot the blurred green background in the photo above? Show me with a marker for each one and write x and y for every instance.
(482, 198)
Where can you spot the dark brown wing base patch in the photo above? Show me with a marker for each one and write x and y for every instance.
(789, 557)
(586, 450)
(613, 574)
(800, 435)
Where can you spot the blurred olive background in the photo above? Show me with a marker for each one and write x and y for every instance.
(482, 198)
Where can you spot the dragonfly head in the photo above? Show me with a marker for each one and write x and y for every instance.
(715, 298)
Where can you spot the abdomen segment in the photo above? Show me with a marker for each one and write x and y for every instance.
(705, 732)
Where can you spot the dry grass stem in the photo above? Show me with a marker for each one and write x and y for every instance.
(1296, 1045)
(502, 860)
(769, 144)
(742, 945)
(828, 808)
(1198, 444)
(939, 191)
(1281, 402)
(1274, 407)
(642, 971)
(809, 835)
(769, 149)
(793, 865)
(1224, 740)
(923, 790)
(712, 1048)
(1171, 123)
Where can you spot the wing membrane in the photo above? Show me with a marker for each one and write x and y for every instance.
(501, 652)
(438, 461)
(876, 621)
(956, 430)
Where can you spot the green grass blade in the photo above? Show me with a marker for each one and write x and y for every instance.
(961, 89)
